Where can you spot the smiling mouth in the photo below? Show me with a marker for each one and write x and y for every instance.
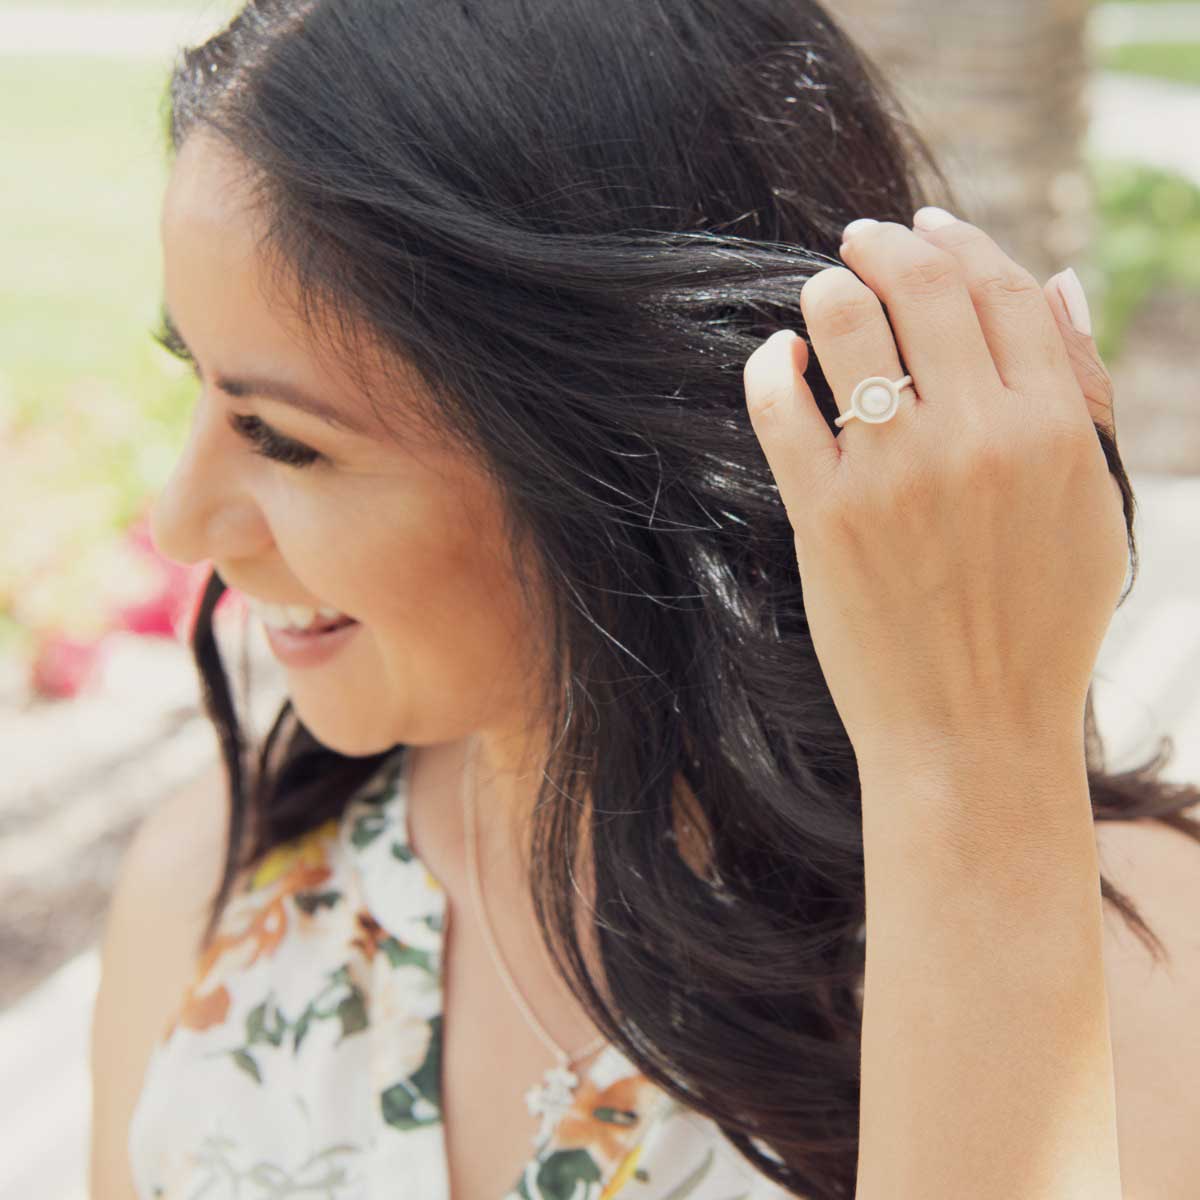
(322, 625)
(297, 618)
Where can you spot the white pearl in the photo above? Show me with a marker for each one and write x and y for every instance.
(876, 400)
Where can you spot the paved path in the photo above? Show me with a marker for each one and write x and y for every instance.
(1151, 121)
(45, 1104)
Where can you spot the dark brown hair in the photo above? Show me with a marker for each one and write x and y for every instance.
(576, 220)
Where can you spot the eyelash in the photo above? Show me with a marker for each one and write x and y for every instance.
(263, 439)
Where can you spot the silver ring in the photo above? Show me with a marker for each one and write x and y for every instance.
(875, 400)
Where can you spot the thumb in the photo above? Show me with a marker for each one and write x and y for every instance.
(1069, 304)
(800, 447)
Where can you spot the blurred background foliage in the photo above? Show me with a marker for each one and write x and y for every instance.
(93, 413)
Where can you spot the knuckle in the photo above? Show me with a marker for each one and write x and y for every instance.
(962, 235)
(838, 302)
(927, 274)
(764, 403)
(1007, 285)
(846, 315)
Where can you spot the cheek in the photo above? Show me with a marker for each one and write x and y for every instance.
(436, 582)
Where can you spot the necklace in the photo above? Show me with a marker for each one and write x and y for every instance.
(552, 1097)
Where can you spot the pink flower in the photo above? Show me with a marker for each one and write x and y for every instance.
(63, 666)
(171, 608)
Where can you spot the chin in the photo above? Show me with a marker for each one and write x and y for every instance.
(344, 728)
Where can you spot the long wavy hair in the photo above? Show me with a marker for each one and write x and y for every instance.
(576, 220)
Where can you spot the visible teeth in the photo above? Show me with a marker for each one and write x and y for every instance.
(278, 616)
(292, 616)
(302, 617)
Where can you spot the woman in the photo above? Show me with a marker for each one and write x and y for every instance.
(630, 699)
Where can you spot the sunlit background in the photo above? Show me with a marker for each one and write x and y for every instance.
(1070, 132)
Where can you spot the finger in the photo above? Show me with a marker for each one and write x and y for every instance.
(1017, 323)
(931, 311)
(851, 336)
(799, 446)
(1064, 293)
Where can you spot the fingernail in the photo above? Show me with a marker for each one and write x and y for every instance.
(1071, 290)
(932, 217)
(857, 227)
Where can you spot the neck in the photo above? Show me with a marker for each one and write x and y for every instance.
(504, 778)
(502, 806)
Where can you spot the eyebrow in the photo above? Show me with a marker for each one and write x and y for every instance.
(273, 389)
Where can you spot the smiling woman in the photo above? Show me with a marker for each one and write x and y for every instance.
(425, 521)
(490, 242)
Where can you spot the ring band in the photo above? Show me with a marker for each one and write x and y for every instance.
(875, 400)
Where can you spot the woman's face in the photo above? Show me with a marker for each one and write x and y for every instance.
(400, 534)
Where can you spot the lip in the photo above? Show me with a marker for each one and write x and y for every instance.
(309, 649)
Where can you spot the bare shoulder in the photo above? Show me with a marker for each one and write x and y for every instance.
(1153, 1006)
(167, 878)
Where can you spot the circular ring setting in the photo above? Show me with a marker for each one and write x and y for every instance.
(875, 400)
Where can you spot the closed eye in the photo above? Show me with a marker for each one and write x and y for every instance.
(266, 441)
(263, 439)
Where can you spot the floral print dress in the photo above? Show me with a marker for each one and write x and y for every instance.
(304, 1058)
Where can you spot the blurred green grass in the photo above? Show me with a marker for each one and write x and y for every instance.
(1177, 61)
(1148, 238)
(81, 150)
(93, 414)
(91, 411)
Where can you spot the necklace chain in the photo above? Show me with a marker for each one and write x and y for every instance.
(554, 1094)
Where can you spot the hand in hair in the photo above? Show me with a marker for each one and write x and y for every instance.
(960, 565)
(962, 562)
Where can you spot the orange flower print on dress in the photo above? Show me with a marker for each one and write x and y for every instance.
(599, 1118)
(371, 935)
(294, 867)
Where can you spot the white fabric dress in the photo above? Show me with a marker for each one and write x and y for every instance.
(303, 1062)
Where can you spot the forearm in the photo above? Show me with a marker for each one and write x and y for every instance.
(986, 1054)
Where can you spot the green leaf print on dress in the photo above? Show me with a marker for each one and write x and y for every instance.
(569, 1174)
(341, 999)
(417, 1100)
(367, 827)
(400, 954)
(309, 902)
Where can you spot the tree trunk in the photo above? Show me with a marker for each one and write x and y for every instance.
(999, 89)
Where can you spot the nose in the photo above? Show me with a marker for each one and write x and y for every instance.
(207, 510)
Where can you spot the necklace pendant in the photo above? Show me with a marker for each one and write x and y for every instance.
(552, 1098)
